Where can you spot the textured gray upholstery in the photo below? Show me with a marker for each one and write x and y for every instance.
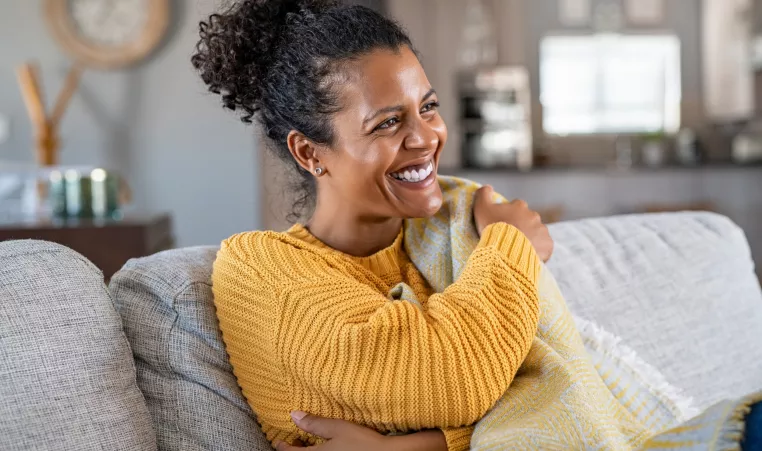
(168, 310)
(67, 378)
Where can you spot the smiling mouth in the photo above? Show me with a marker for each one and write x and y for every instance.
(415, 173)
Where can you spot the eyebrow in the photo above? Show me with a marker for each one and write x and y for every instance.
(395, 108)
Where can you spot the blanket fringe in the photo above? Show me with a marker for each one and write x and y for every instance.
(733, 431)
(604, 342)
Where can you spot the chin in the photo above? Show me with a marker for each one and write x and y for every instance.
(427, 207)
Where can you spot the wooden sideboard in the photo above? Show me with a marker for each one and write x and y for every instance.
(108, 243)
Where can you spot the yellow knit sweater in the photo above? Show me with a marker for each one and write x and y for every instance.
(310, 328)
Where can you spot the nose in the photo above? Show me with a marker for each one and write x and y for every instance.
(421, 136)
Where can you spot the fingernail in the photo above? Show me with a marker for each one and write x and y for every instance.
(276, 444)
(297, 415)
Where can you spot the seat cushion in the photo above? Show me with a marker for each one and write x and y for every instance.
(169, 317)
(67, 377)
(678, 288)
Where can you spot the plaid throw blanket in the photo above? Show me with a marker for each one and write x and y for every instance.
(564, 396)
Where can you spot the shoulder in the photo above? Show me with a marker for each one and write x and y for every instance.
(273, 257)
(253, 245)
(259, 248)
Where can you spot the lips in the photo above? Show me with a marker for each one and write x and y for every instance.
(414, 173)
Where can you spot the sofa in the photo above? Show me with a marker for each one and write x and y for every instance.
(140, 365)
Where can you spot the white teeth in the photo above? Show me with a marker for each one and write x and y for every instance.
(414, 175)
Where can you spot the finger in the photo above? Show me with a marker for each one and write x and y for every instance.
(484, 194)
(551, 248)
(520, 203)
(283, 446)
(326, 428)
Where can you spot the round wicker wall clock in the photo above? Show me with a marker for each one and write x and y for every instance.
(108, 34)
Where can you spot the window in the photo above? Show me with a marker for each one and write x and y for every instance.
(610, 84)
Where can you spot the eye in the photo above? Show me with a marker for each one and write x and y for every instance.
(389, 123)
(429, 107)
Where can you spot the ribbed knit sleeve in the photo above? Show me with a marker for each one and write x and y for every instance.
(307, 330)
(458, 439)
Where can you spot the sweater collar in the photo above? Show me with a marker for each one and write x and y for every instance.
(383, 262)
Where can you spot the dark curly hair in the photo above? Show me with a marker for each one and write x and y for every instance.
(280, 61)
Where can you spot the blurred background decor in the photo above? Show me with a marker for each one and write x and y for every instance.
(108, 34)
(631, 105)
(45, 125)
(82, 205)
(612, 106)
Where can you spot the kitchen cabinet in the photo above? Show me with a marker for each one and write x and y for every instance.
(726, 59)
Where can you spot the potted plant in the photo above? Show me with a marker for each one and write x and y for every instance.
(653, 150)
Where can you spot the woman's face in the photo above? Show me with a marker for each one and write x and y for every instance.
(388, 139)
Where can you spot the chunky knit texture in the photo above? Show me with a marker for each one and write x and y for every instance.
(443, 329)
(366, 339)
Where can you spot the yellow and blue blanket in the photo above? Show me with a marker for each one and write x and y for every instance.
(565, 396)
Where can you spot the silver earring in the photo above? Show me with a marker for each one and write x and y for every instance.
(318, 171)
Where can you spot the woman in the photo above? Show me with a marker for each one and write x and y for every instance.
(342, 96)
(310, 316)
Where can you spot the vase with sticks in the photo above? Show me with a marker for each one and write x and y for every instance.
(46, 126)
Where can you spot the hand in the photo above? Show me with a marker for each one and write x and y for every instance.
(340, 435)
(515, 213)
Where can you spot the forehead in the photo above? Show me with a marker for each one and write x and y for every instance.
(383, 78)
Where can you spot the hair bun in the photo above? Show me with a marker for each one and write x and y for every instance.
(236, 47)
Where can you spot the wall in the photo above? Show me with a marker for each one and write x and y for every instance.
(180, 151)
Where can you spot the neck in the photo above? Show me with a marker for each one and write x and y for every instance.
(350, 234)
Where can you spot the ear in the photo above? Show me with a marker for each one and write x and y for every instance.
(304, 151)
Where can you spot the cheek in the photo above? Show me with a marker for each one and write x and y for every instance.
(440, 128)
(365, 164)
(379, 157)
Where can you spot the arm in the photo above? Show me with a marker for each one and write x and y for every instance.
(453, 359)
(342, 435)
(422, 441)
(444, 365)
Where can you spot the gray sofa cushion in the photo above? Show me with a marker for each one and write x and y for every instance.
(680, 289)
(167, 307)
(67, 378)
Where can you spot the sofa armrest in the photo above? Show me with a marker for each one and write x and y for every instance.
(679, 288)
